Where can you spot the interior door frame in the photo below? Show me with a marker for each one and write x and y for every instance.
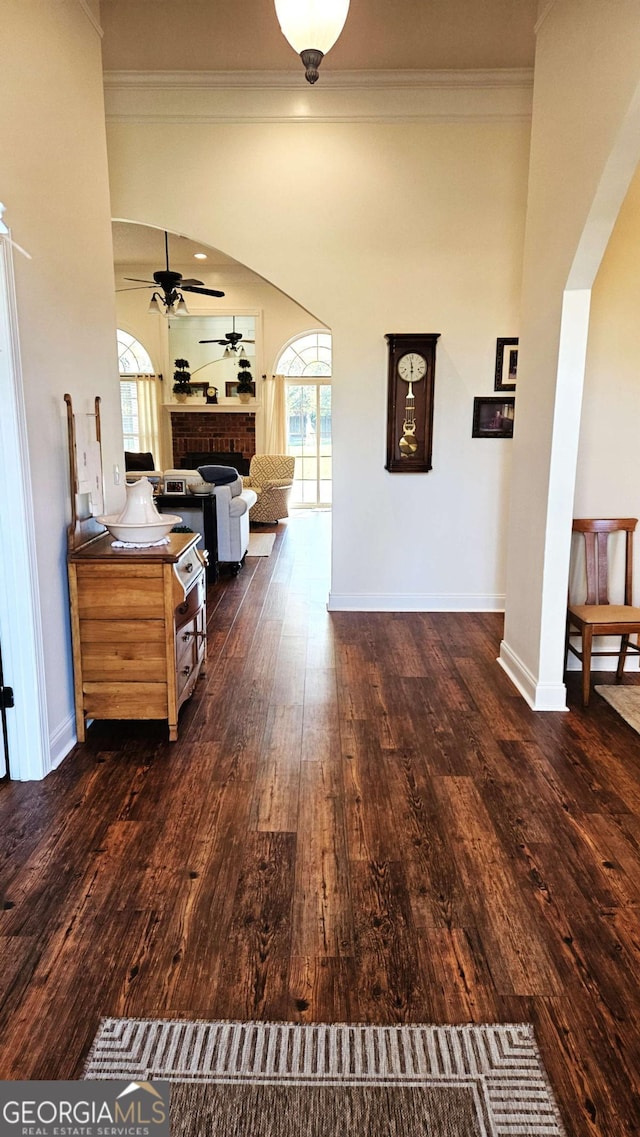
(20, 617)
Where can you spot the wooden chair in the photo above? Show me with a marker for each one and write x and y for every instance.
(597, 616)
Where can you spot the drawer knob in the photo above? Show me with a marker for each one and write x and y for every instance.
(187, 636)
(189, 567)
(186, 670)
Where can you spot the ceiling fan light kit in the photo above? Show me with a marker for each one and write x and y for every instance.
(311, 27)
(170, 300)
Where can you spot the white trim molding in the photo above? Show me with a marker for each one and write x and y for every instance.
(345, 96)
(91, 16)
(542, 15)
(20, 617)
(62, 740)
(415, 602)
(539, 696)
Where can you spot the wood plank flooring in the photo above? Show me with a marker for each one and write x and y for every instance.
(361, 821)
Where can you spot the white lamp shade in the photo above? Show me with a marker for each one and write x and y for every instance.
(312, 23)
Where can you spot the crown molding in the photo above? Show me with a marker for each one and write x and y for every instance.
(334, 80)
(91, 16)
(544, 12)
(343, 96)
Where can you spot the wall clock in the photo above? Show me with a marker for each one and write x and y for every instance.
(411, 374)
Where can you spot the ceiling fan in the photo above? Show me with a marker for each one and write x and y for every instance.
(170, 301)
(230, 341)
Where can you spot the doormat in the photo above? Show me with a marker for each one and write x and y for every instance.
(291, 1080)
(260, 544)
(624, 700)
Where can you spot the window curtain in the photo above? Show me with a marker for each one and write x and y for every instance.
(147, 389)
(275, 432)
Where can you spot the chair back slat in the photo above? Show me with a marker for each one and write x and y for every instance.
(596, 536)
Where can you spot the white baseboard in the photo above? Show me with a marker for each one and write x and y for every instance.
(61, 741)
(415, 602)
(539, 696)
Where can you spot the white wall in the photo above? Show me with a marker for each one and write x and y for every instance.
(53, 180)
(375, 227)
(584, 147)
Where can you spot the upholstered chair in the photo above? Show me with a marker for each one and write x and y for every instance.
(233, 503)
(271, 477)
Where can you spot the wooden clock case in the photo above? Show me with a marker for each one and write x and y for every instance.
(399, 344)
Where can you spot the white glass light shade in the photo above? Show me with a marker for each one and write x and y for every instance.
(179, 307)
(312, 23)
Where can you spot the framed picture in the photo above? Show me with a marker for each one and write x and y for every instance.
(175, 486)
(506, 364)
(493, 416)
(231, 390)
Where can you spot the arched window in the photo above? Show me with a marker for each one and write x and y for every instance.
(139, 397)
(306, 366)
(307, 356)
(133, 358)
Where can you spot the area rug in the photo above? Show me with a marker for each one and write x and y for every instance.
(260, 544)
(291, 1080)
(624, 700)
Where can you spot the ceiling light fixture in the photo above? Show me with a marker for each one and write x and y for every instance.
(200, 256)
(311, 27)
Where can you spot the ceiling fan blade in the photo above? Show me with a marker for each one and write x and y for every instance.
(190, 283)
(137, 288)
(247, 341)
(223, 342)
(202, 291)
(138, 280)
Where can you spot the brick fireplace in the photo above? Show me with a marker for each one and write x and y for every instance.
(213, 434)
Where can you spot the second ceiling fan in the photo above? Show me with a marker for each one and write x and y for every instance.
(231, 340)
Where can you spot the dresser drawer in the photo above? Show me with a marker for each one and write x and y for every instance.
(193, 603)
(125, 592)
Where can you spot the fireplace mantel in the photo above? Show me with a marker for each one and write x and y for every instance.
(212, 408)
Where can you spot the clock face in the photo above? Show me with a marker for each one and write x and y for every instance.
(412, 367)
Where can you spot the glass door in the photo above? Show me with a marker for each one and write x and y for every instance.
(309, 441)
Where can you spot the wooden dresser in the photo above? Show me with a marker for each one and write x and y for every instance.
(138, 621)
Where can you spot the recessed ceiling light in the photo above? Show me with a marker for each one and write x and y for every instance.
(200, 256)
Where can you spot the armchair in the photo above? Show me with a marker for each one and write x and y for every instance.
(233, 503)
(271, 478)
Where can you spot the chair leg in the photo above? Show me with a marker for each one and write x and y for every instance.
(624, 643)
(587, 639)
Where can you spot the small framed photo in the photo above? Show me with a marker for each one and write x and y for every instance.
(175, 486)
(493, 416)
(231, 390)
(506, 364)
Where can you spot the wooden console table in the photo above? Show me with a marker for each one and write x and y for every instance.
(138, 620)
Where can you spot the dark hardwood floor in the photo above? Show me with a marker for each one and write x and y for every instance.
(361, 821)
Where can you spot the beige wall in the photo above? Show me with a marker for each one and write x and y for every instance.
(374, 228)
(53, 181)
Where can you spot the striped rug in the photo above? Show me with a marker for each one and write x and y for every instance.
(291, 1080)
